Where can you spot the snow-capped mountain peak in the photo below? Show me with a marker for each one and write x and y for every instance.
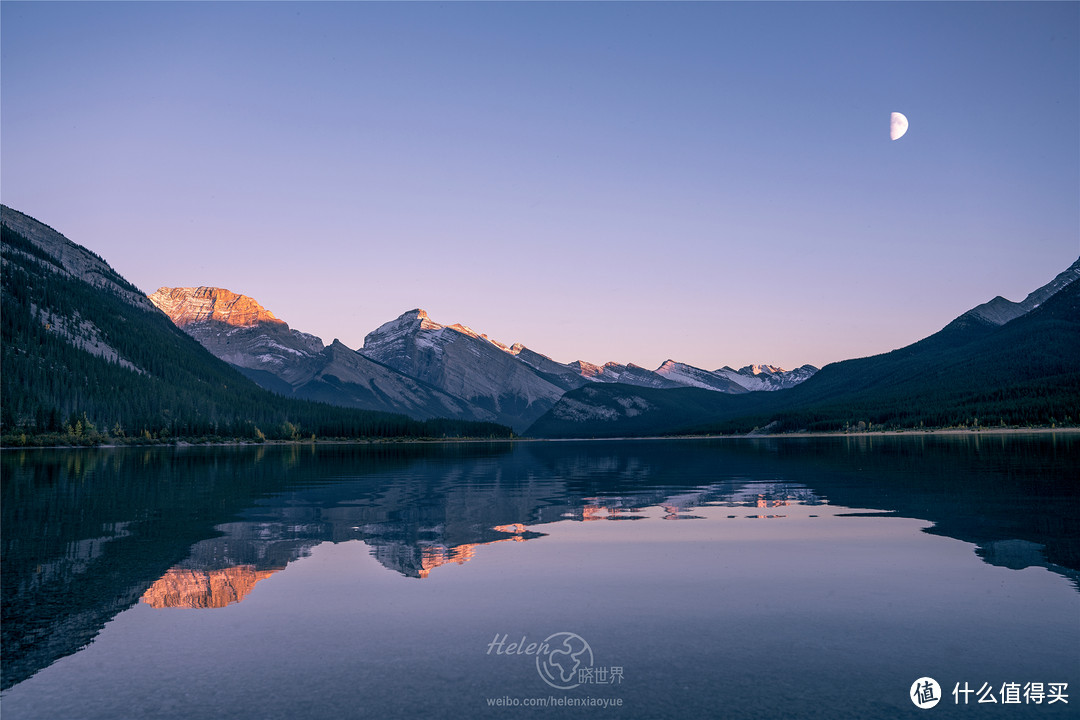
(767, 377)
(691, 376)
(458, 360)
(761, 370)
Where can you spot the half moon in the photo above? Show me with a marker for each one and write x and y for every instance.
(897, 126)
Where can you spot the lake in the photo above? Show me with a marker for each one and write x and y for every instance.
(750, 578)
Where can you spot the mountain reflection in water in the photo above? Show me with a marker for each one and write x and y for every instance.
(87, 534)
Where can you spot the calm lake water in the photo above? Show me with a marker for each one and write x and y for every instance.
(771, 578)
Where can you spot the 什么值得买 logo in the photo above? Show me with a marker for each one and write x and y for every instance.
(925, 693)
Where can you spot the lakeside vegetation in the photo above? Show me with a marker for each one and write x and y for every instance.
(83, 433)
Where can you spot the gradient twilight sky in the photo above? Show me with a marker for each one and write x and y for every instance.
(709, 182)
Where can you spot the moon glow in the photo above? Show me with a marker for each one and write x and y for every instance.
(897, 126)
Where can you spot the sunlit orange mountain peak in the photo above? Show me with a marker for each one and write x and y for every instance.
(433, 556)
(183, 588)
(186, 305)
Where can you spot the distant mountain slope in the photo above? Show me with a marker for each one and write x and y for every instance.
(458, 361)
(1000, 311)
(82, 345)
(690, 376)
(616, 410)
(564, 376)
(670, 374)
(1024, 371)
(629, 374)
(917, 363)
(747, 379)
(767, 377)
(241, 332)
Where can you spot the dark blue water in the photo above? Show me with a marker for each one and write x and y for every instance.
(744, 579)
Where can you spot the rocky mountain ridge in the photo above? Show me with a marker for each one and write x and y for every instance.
(999, 310)
(241, 332)
(192, 305)
(70, 259)
(767, 377)
(415, 365)
(459, 361)
(237, 329)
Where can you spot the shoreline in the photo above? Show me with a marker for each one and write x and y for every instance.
(1071, 430)
(921, 432)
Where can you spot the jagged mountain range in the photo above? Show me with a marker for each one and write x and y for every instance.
(79, 339)
(747, 379)
(241, 332)
(419, 367)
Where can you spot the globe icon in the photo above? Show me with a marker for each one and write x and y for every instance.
(566, 653)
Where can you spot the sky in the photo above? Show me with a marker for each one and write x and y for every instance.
(708, 182)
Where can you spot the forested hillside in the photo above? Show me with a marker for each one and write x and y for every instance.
(80, 362)
(1023, 373)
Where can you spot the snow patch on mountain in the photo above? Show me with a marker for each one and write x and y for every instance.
(458, 360)
(746, 379)
(633, 406)
(577, 411)
(690, 376)
(767, 378)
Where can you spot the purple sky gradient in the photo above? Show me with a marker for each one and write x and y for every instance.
(710, 182)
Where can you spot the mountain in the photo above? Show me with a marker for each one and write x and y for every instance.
(690, 376)
(235, 328)
(86, 355)
(767, 377)
(564, 376)
(617, 410)
(629, 374)
(238, 330)
(417, 366)
(578, 373)
(936, 359)
(191, 306)
(1000, 311)
(458, 361)
(973, 372)
(517, 384)
(727, 380)
(63, 257)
